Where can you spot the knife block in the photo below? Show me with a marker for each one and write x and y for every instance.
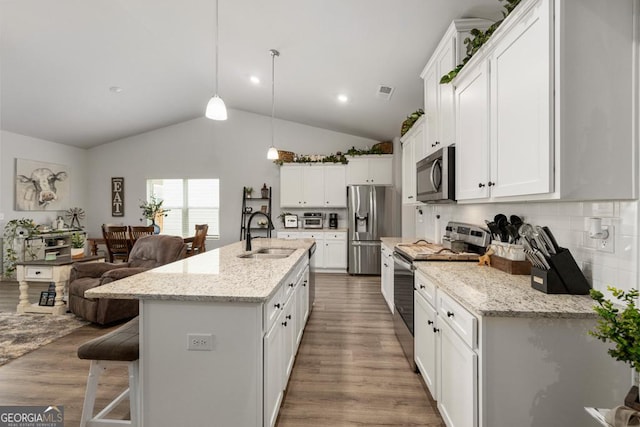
(564, 277)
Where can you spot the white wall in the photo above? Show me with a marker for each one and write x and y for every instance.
(233, 151)
(14, 146)
(567, 222)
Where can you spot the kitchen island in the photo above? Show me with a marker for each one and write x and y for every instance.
(218, 333)
(495, 352)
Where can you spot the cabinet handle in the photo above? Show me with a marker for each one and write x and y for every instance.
(291, 285)
(304, 283)
(422, 286)
(276, 305)
(480, 185)
(410, 197)
(435, 143)
(385, 264)
(288, 316)
(429, 322)
(491, 184)
(436, 330)
(37, 272)
(449, 314)
(284, 324)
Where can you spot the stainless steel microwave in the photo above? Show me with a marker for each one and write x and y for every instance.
(436, 177)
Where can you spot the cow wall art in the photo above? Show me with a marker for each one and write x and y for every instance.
(41, 186)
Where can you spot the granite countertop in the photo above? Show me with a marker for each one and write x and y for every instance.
(391, 242)
(489, 292)
(216, 275)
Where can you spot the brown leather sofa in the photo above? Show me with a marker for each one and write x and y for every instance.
(147, 253)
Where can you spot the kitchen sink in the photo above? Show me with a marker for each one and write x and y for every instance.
(269, 253)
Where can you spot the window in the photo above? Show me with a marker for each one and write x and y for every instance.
(190, 202)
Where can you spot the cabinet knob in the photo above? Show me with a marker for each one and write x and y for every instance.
(276, 305)
(449, 314)
(288, 316)
(480, 185)
(429, 322)
(436, 330)
(284, 324)
(37, 272)
(410, 197)
(291, 285)
(422, 286)
(491, 184)
(385, 264)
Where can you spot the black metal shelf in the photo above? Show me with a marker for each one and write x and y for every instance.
(244, 216)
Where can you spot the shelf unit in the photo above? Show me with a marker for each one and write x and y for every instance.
(44, 243)
(252, 202)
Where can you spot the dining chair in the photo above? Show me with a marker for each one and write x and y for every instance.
(137, 231)
(117, 241)
(198, 245)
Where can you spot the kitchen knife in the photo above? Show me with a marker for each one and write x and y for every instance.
(552, 239)
(544, 238)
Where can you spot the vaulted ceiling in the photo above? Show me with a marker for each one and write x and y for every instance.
(62, 60)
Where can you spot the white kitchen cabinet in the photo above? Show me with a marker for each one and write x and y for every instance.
(302, 303)
(458, 382)
(289, 323)
(386, 276)
(472, 146)
(313, 185)
(335, 250)
(427, 342)
(319, 255)
(273, 371)
(439, 99)
(412, 149)
(335, 186)
(370, 170)
(555, 125)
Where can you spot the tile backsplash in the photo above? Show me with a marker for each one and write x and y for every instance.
(568, 222)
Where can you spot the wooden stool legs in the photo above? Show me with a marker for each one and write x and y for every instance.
(95, 371)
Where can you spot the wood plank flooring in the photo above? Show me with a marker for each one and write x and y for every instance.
(350, 370)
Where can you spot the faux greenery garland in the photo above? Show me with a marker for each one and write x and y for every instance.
(479, 39)
(619, 327)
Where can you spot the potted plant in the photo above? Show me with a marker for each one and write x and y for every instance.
(620, 325)
(153, 210)
(16, 233)
(248, 191)
(77, 245)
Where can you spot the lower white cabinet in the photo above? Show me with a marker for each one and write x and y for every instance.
(273, 372)
(386, 276)
(458, 382)
(427, 342)
(331, 247)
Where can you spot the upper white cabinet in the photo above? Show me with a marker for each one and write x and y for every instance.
(370, 170)
(412, 152)
(438, 99)
(560, 122)
(313, 186)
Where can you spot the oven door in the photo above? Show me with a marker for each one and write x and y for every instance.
(403, 300)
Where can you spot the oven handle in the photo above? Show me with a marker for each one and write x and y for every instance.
(403, 262)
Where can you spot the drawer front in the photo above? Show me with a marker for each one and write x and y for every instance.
(288, 235)
(335, 236)
(317, 235)
(272, 308)
(289, 285)
(426, 288)
(31, 273)
(459, 319)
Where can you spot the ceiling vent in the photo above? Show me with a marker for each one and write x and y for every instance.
(385, 92)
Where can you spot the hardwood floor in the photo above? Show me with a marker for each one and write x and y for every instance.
(350, 370)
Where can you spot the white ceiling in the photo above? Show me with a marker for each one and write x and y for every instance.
(58, 59)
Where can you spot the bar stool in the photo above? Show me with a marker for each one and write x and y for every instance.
(120, 345)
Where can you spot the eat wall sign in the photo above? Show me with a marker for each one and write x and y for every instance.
(117, 196)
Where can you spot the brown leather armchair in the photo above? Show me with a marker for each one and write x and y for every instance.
(147, 253)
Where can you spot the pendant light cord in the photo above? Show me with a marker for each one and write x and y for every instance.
(274, 53)
(217, 36)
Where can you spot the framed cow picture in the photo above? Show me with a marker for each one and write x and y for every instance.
(41, 186)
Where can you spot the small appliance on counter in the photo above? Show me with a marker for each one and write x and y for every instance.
(312, 220)
(461, 237)
(333, 220)
(290, 221)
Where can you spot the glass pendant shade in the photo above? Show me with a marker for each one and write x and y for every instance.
(216, 110)
(272, 154)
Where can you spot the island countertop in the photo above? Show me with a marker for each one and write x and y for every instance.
(216, 275)
(489, 292)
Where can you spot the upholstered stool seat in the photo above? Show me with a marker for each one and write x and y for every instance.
(120, 345)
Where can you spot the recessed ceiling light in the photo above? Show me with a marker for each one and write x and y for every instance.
(255, 80)
(343, 98)
(115, 89)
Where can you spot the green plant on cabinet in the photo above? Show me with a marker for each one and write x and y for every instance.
(16, 232)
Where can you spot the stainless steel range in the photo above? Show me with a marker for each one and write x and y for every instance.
(465, 242)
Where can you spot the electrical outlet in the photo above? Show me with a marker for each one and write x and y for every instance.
(200, 342)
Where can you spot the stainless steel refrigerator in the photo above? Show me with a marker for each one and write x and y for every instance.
(367, 223)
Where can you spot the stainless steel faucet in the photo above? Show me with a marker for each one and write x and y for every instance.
(271, 227)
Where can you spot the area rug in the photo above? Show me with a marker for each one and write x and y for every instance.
(22, 333)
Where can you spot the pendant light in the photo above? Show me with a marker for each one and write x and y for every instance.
(272, 154)
(216, 110)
